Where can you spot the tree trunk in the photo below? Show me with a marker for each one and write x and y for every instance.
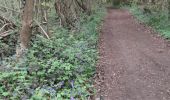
(27, 19)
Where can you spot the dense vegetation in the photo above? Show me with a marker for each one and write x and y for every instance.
(57, 66)
(155, 13)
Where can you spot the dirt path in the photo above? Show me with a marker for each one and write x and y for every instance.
(134, 63)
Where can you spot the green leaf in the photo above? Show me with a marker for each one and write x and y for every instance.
(5, 94)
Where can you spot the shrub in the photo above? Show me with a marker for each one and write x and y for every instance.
(59, 69)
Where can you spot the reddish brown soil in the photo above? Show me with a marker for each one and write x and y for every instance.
(134, 62)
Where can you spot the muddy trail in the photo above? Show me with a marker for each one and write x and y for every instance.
(134, 62)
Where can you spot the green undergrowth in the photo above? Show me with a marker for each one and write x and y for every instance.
(158, 20)
(59, 68)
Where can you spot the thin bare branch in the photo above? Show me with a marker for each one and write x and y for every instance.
(3, 27)
(46, 34)
(6, 33)
(7, 21)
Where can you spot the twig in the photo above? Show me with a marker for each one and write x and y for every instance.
(42, 29)
(7, 21)
(4, 34)
(3, 27)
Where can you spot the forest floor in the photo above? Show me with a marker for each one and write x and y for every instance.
(134, 62)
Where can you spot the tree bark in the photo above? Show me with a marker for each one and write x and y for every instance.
(27, 19)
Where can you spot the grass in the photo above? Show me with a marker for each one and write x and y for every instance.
(157, 20)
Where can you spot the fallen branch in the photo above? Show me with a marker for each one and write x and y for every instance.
(46, 34)
(6, 33)
(3, 27)
(7, 21)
